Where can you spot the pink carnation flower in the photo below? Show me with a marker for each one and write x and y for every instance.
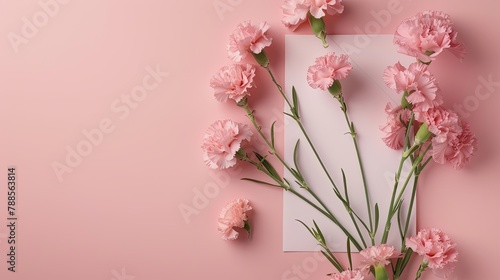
(421, 85)
(234, 215)
(233, 82)
(348, 275)
(248, 38)
(443, 124)
(459, 150)
(395, 129)
(378, 255)
(222, 141)
(332, 7)
(327, 69)
(437, 249)
(426, 35)
(295, 12)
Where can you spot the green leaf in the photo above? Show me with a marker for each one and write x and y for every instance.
(259, 182)
(377, 218)
(330, 260)
(272, 134)
(344, 180)
(308, 229)
(402, 262)
(268, 166)
(318, 230)
(400, 224)
(295, 103)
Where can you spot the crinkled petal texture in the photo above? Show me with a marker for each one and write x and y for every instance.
(327, 69)
(395, 128)
(348, 275)
(233, 216)
(420, 85)
(426, 35)
(233, 82)
(378, 255)
(246, 38)
(221, 142)
(319, 7)
(295, 13)
(437, 249)
(458, 150)
(443, 124)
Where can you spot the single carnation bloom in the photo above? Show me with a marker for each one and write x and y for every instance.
(419, 84)
(378, 255)
(233, 82)
(327, 69)
(222, 141)
(332, 7)
(395, 128)
(248, 38)
(442, 123)
(295, 12)
(459, 150)
(426, 35)
(348, 275)
(234, 215)
(437, 249)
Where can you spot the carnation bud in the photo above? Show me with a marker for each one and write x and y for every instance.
(319, 28)
(335, 89)
(423, 134)
(248, 228)
(380, 272)
(241, 154)
(404, 103)
(261, 59)
(243, 102)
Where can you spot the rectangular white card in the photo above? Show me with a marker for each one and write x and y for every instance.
(366, 96)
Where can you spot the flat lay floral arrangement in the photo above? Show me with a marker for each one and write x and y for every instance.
(419, 126)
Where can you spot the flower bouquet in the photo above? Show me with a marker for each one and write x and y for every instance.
(419, 126)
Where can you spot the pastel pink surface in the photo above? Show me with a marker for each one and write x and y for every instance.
(117, 213)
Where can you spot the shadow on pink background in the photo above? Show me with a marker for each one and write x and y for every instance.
(114, 213)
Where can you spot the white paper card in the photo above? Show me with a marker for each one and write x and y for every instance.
(366, 96)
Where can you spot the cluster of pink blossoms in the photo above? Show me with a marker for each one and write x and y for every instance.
(223, 138)
(425, 36)
(222, 143)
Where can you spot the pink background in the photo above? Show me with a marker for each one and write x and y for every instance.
(116, 215)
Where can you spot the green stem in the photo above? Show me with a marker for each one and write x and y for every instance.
(264, 137)
(397, 177)
(421, 269)
(306, 135)
(410, 209)
(299, 123)
(325, 212)
(330, 217)
(353, 133)
(280, 88)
